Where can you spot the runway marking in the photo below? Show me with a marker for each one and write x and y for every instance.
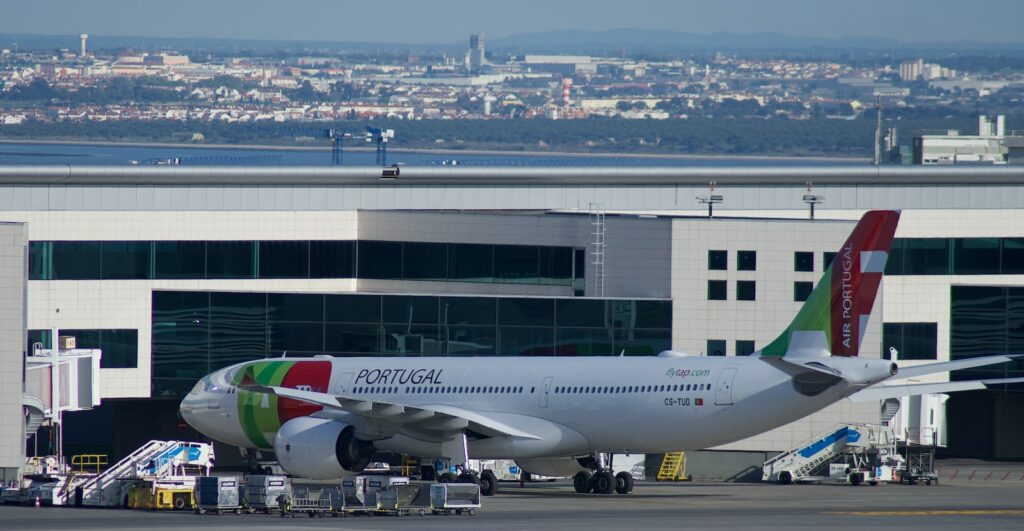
(934, 512)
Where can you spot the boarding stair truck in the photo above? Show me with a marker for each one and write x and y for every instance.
(848, 443)
(163, 463)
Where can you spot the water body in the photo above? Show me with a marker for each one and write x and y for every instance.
(116, 155)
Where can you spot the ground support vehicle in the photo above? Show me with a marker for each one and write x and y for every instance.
(400, 500)
(259, 493)
(454, 498)
(217, 494)
(312, 507)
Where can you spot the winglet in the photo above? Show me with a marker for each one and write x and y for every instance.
(835, 316)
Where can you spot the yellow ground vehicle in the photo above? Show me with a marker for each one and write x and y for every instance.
(161, 498)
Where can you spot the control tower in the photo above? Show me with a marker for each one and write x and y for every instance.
(84, 37)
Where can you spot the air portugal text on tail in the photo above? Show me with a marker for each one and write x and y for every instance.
(835, 316)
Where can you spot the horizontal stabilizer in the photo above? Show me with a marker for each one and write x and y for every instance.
(932, 368)
(881, 392)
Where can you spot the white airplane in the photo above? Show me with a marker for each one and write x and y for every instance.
(324, 417)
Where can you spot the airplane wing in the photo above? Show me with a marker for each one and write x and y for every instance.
(445, 418)
(931, 368)
(881, 392)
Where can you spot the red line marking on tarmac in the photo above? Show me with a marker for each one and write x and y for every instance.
(1006, 476)
(970, 477)
(955, 472)
(989, 476)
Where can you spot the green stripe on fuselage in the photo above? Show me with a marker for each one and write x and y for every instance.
(258, 411)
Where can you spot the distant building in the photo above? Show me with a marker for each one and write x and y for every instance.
(990, 146)
(918, 69)
(476, 59)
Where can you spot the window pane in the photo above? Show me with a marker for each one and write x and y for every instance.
(295, 307)
(717, 290)
(248, 338)
(746, 260)
(977, 321)
(919, 341)
(425, 261)
(584, 342)
(578, 272)
(382, 260)
(411, 340)
(1013, 256)
(332, 259)
(802, 290)
(580, 312)
(179, 259)
(408, 309)
(76, 260)
(229, 306)
(470, 262)
(43, 337)
(526, 341)
(654, 314)
(469, 310)
(125, 260)
(516, 263)
(744, 347)
(641, 342)
(352, 308)
(526, 312)
(180, 350)
(471, 340)
(361, 339)
(180, 305)
(296, 338)
(803, 261)
(718, 260)
(230, 260)
(284, 259)
(39, 266)
(927, 256)
(894, 264)
(83, 338)
(120, 349)
(828, 257)
(745, 290)
(975, 256)
(892, 339)
(556, 265)
(716, 347)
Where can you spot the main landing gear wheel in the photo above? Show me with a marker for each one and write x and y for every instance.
(623, 483)
(469, 477)
(581, 482)
(604, 482)
(488, 483)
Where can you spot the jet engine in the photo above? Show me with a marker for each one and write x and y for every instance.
(316, 448)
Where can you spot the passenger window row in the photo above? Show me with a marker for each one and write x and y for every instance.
(500, 390)
(586, 389)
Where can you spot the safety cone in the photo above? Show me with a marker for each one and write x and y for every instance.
(37, 501)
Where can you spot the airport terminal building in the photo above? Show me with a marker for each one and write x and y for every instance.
(174, 272)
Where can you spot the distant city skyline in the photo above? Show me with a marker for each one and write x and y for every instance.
(447, 21)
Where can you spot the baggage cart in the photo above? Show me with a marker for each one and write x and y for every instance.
(400, 500)
(359, 493)
(454, 498)
(217, 494)
(312, 507)
(259, 494)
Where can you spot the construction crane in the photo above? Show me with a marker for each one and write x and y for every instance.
(381, 137)
(337, 137)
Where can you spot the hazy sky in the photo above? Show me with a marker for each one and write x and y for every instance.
(441, 21)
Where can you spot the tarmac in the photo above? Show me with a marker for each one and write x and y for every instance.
(956, 503)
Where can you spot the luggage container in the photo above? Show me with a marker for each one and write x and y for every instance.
(259, 494)
(359, 493)
(454, 498)
(217, 494)
(406, 499)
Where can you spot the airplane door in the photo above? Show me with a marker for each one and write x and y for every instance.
(545, 391)
(723, 390)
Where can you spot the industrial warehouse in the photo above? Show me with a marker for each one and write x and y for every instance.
(175, 272)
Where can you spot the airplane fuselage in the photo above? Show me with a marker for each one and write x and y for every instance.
(573, 405)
